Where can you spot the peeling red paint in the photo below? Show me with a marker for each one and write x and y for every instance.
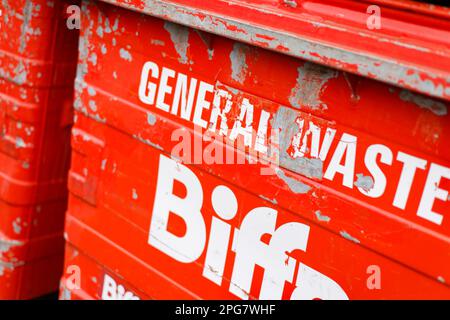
(340, 42)
(37, 67)
(120, 145)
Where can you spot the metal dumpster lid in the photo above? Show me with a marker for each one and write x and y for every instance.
(411, 49)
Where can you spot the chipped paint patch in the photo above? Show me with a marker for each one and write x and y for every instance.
(125, 54)
(20, 143)
(311, 168)
(290, 3)
(93, 58)
(148, 142)
(99, 31)
(321, 217)
(20, 74)
(388, 70)
(312, 79)
(364, 182)
(151, 119)
(273, 201)
(238, 62)
(284, 120)
(103, 49)
(347, 236)
(294, 185)
(92, 91)
(24, 28)
(103, 164)
(9, 266)
(437, 107)
(157, 42)
(6, 245)
(134, 194)
(441, 279)
(93, 105)
(180, 39)
(16, 226)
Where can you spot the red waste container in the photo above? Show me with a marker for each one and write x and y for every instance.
(37, 66)
(260, 150)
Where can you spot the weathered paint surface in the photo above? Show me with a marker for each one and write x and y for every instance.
(37, 66)
(330, 34)
(102, 283)
(342, 145)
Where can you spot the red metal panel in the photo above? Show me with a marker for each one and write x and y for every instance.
(37, 67)
(410, 49)
(357, 203)
(96, 281)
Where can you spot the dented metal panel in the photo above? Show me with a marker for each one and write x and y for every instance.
(203, 167)
(37, 67)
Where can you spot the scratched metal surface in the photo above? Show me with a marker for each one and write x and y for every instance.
(121, 138)
(37, 67)
(411, 49)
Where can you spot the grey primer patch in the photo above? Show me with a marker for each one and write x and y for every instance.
(93, 105)
(322, 217)
(103, 164)
(6, 245)
(387, 70)
(157, 42)
(180, 39)
(8, 265)
(274, 201)
(125, 54)
(20, 143)
(20, 74)
(437, 107)
(151, 119)
(290, 3)
(295, 185)
(100, 31)
(364, 182)
(312, 79)
(17, 228)
(135, 195)
(93, 58)
(148, 142)
(103, 49)
(284, 120)
(238, 62)
(347, 236)
(27, 13)
(91, 91)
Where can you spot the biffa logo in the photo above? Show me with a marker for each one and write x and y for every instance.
(249, 250)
